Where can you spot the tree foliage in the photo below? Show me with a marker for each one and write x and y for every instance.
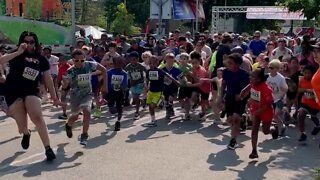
(124, 22)
(2, 8)
(34, 9)
(90, 13)
(310, 8)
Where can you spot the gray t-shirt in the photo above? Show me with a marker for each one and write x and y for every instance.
(136, 73)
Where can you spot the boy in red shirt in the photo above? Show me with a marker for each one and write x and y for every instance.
(63, 68)
(308, 102)
(202, 86)
(260, 104)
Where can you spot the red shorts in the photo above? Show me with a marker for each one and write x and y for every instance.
(266, 116)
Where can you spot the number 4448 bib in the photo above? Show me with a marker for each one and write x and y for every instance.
(30, 73)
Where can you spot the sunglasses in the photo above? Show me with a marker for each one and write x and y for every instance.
(79, 60)
(30, 42)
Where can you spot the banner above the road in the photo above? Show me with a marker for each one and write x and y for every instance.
(278, 13)
(187, 9)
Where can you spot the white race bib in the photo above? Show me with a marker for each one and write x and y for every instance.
(135, 76)
(153, 75)
(30, 73)
(84, 79)
(255, 95)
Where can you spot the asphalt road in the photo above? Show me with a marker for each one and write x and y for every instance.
(173, 150)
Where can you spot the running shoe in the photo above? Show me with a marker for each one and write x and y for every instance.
(202, 116)
(315, 131)
(152, 124)
(222, 114)
(274, 132)
(68, 131)
(97, 113)
(63, 116)
(254, 154)
(136, 116)
(187, 117)
(84, 139)
(233, 144)
(117, 126)
(283, 131)
(25, 142)
(303, 137)
(50, 154)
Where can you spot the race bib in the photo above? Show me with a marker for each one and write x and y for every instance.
(167, 81)
(154, 75)
(116, 81)
(30, 73)
(309, 95)
(136, 76)
(84, 79)
(255, 95)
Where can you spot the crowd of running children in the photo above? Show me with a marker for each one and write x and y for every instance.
(225, 74)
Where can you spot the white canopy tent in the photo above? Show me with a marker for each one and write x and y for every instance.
(90, 30)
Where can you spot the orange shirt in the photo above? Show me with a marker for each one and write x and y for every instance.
(315, 82)
(199, 73)
(309, 97)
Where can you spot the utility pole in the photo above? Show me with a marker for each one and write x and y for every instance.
(197, 16)
(73, 21)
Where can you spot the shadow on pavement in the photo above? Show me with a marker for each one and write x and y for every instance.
(176, 126)
(9, 140)
(255, 170)
(100, 140)
(223, 159)
(36, 169)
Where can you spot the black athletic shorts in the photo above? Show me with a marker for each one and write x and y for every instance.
(115, 98)
(309, 110)
(234, 107)
(185, 92)
(12, 94)
(203, 95)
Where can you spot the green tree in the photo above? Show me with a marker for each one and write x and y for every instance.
(90, 12)
(110, 12)
(310, 8)
(2, 8)
(34, 9)
(124, 22)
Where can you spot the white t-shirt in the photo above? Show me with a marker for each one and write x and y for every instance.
(54, 62)
(276, 53)
(278, 85)
(208, 50)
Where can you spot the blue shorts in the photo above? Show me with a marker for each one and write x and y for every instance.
(137, 89)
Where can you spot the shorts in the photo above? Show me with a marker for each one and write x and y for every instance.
(234, 107)
(115, 98)
(79, 103)
(266, 116)
(12, 94)
(170, 92)
(204, 96)
(185, 92)
(153, 97)
(309, 110)
(278, 105)
(137, 90)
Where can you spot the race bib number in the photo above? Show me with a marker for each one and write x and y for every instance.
(154, 75)
(136, 76)
(30, 73)
(255, 95)
(84, 79)
(167, 81)
(116, 81)
(309, 95)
